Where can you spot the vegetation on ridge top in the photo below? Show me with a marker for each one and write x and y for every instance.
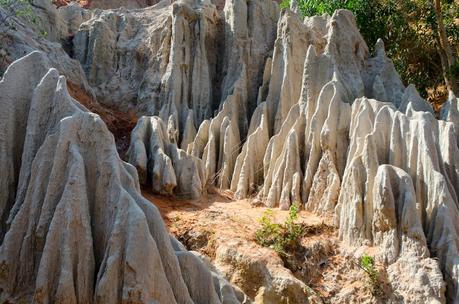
(421, 37)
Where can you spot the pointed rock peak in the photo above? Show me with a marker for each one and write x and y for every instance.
(380, 49)
(411, 96)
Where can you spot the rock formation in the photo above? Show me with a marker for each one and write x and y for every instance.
(20, 38)
(152, 58)
(160, 164)
(450, 111)
(74, 225)
(425, 154)
(251, 99)
(309, 141)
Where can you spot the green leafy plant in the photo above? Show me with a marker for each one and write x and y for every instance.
(284, 4)
(367, 264)
(266, 235)
(17, 8)
(282, 237)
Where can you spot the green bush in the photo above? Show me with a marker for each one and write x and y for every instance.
(283, 238)
(367, 264)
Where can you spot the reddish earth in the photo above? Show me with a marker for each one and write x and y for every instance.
(119, 123)
(204, 224)
(106, 4)
(83, 3)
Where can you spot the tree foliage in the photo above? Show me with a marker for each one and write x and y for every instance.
(408, 29)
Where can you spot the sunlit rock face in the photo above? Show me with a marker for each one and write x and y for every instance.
(74, 225)
(333, 128)
(248, 98)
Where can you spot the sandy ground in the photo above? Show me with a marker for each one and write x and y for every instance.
(220, 213)
(204, 223)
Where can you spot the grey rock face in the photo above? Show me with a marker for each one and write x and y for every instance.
(450, 111)
(161, 58)
(78, 229)
(20, 38)
(183, 88)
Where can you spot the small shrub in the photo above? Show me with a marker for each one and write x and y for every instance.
(367, 264)
(21, 9)
(283, 238)
(266, 235)
(284, 4)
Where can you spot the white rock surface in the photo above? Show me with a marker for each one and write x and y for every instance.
(313, 137)
(130, 4)
(162, 166)
(264, 104)
(426, 152)
(397, 230)
(156, 59)
(450, 110)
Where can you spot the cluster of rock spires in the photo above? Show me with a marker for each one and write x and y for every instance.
(248, 98)
(75, 228)
(302, 124)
